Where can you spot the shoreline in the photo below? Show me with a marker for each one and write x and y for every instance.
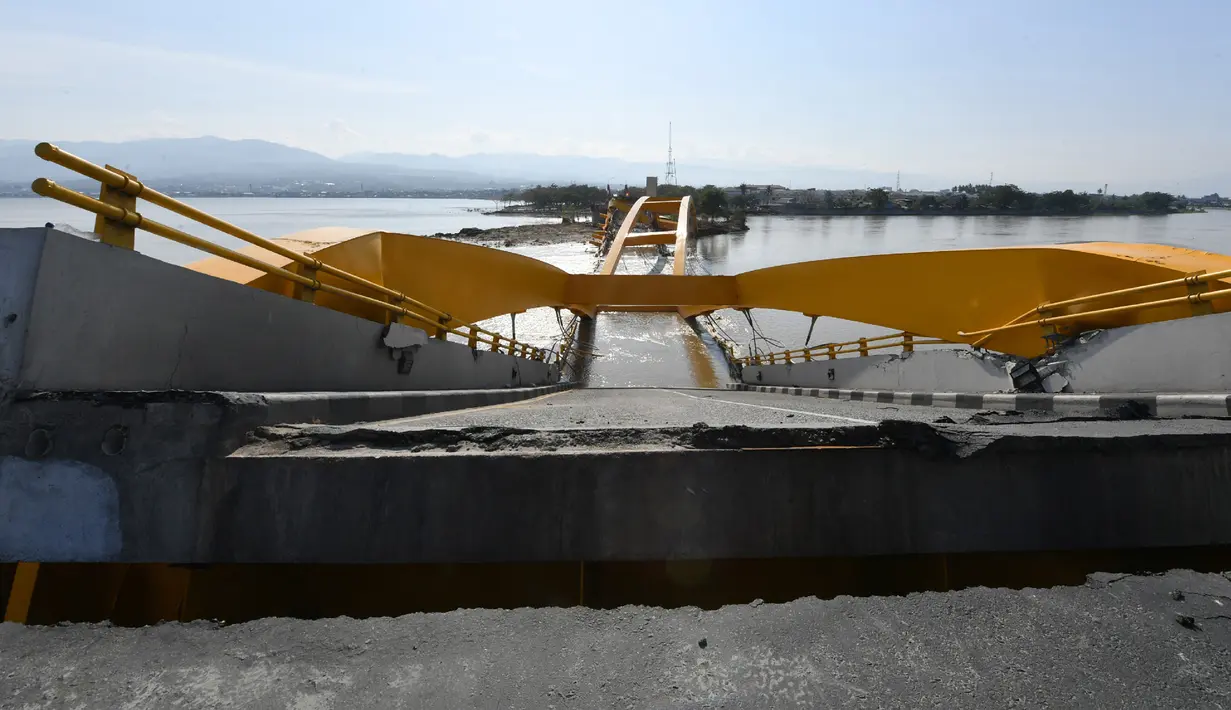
(820, 212)
(522, 235)
(555, 233)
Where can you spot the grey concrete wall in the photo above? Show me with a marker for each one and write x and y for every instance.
(922, 371)
(63, 456)
(1177, 356)
(1166, 488)
(1186, 355)
(103, 318)
(20, 250)
(52, 507)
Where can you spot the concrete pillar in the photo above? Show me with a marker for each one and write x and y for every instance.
(651, 186)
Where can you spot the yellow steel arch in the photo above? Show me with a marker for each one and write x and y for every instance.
(647, 210)
(932, 294)
(469, 282)
(941, 294)
(1001, 298)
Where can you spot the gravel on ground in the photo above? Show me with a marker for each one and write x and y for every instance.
(1117, 641)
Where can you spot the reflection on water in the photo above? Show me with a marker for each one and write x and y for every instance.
(874, 226)
(659, 348)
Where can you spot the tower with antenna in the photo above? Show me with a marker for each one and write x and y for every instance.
(670, 179)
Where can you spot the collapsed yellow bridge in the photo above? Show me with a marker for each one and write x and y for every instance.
(1013, 300)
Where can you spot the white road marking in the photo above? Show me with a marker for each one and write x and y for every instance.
(776, 409)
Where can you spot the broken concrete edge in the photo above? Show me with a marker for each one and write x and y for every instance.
(1155, 405)
(352, 407)
(930, 441)
(305, 407)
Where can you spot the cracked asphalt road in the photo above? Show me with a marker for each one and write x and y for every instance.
(647, 407)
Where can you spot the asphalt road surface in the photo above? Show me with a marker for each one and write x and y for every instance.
(623, 408)
(1118, 641)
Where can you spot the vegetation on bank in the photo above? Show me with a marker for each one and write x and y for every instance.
(971, 199)
(556, 197)
(714, 202)
(711, 200)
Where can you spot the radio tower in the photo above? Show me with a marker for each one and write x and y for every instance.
(670, 159)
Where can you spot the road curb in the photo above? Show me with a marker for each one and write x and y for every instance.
(1158, 405)
(352, 407)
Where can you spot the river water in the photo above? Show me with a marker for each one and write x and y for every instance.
(636, 349)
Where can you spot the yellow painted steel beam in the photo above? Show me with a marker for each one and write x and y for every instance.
(931, 293)
(652, 205)
(477, 282)
(648, 238)
(21, 594)
(988, 297)
(473, 279)
(650, 290)
(617, 244)
(694, 311)
(685, 228)
(661, 308)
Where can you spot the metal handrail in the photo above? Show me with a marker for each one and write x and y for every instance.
(1189, 280)
(814, 348)
(907, 341)
(47, 188)
(1193, 298)
(136, 188)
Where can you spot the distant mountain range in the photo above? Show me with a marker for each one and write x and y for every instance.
(240, 162)
(531, 168)
(212, 162)
(217, 161)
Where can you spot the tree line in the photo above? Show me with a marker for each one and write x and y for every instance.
(558, 197)
(995, 198)
(1011, 198)
(711, 200)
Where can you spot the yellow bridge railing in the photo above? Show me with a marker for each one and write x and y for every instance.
(831, 351)
(117, 220)
(1198, 295)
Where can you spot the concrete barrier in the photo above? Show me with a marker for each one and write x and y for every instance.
(1186, 355)
(81, 315)
(61, 454)
(1166, 406)
(1189, 355)
(920, 490)
(946, 370)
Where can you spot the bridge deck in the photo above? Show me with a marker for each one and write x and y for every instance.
(653, 407)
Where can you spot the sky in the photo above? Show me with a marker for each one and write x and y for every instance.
(1094, 91)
